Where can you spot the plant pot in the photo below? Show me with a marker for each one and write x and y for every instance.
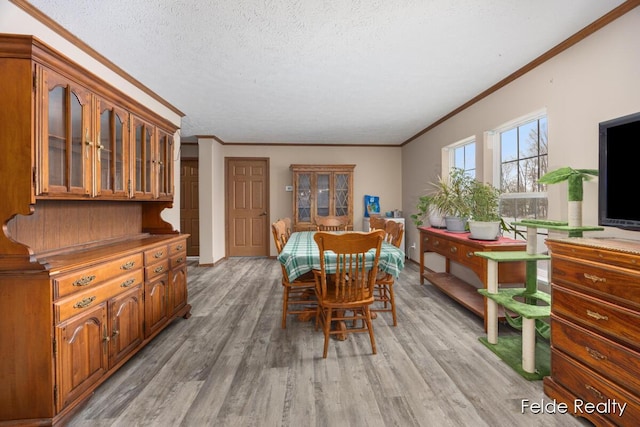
(482, 230)
(456, 224)
(436, 220)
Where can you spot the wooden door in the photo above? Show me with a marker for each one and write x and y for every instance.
(126, 315)
(189, 207)
(247, 200)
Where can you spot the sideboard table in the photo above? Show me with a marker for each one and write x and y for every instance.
(460, 248)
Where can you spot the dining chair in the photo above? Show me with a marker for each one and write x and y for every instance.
(376, 222)
(384, 296)
(298, 296)
(332, 223)
(345, 282)
(287, 223)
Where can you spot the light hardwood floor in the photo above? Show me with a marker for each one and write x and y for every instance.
(231, 364)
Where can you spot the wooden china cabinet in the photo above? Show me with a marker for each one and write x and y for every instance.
(89, 270)
(321, 190)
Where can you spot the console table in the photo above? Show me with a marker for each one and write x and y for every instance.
(461, 249)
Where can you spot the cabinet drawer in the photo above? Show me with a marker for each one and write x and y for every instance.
(464, 254)
(178, 247)
(616, 321)
(178, 260)
(90, 277)
(156, 254)
(611, 283)
(590, 387)
(612, 360)
(156, 269)
(82, 301)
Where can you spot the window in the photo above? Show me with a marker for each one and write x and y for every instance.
(523, 160)
(463, 156)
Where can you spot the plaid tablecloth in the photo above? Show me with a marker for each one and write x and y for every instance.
(301, 254)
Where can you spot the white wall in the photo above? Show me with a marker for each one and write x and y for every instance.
(593, 81)
(377, 172)
(14, 20)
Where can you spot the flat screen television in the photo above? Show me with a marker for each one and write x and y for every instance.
(619, 174)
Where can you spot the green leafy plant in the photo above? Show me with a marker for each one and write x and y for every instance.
(484, 202)
(424, 208)
(452, 196)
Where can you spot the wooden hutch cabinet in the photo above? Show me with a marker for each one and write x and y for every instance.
(321, 190)
(89, 271)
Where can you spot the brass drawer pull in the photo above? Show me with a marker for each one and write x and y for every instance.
(470, 254)
(595, 354)
(128, 265)
(594, 391)
(127, 283)
(84, 281)
(594, 278)
(179, 247)
(454, 249)
(597, 315)
(179, 260)
(159, 269)
(436, 243)
(84, 303)
(158, 254)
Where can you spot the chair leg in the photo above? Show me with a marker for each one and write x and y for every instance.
(285, 306)
(367, 316)
(326, 328)
(392, 299)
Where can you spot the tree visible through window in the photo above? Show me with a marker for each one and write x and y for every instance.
(523, 160)
(464, 157)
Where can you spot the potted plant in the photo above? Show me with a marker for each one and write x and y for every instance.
(485, 221)
(574, 178)
(427, 211)
(452, 198)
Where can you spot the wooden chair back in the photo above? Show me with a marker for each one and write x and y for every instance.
(279, 231)
(288, 226)
(376, 222)
(353, 280)
(332, 223)
(394, 232)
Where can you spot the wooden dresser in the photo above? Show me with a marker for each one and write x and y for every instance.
(595, 328)
(90, 272)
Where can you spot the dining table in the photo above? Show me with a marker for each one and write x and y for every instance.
(301, 255)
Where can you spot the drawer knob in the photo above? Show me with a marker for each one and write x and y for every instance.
(159, 269)
(84, 303)
(158, 254)
(595, 354)
(128, 265)
(84, 281)
(127, 283)
(594, 278)
(179, 247)
(469, 254)
(454, 249)
(179, 260)
(597, 315)
(436, 243)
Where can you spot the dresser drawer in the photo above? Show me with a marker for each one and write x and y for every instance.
(620, 322)
(90, 277)
(178, 247)
(611, 283)
(610, 359)
(589, 387)
(464, 254)
(156, 254)
(79, 302)
(156, 269)
(178, 260)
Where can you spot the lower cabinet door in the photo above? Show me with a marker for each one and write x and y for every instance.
(126, 315)
(81, 354)
(178, 288)
(156, 304)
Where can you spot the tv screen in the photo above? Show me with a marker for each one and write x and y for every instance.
(619, 173)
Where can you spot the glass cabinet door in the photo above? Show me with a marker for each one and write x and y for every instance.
(164, 165)
(341, 194)
(68, 138)
(303, 196)
(112, 156)
(323, 194)
(143, 155)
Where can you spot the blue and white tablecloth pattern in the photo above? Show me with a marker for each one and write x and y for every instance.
(301, 255)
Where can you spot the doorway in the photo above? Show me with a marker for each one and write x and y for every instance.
(189, 205)
(247, 206)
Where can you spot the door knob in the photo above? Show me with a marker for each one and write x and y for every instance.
(263, 214)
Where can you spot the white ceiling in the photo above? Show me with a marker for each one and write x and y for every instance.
(320, 71)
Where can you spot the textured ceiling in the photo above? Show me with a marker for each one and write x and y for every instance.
(312, 71)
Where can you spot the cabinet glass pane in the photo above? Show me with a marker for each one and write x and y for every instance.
(57, 136)
(304, 198)
(118, 154)
(322, 197)
(106, 151)
(342, 194)
(148, 158)
(139, 158)
(76, 143)
(162, 150)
